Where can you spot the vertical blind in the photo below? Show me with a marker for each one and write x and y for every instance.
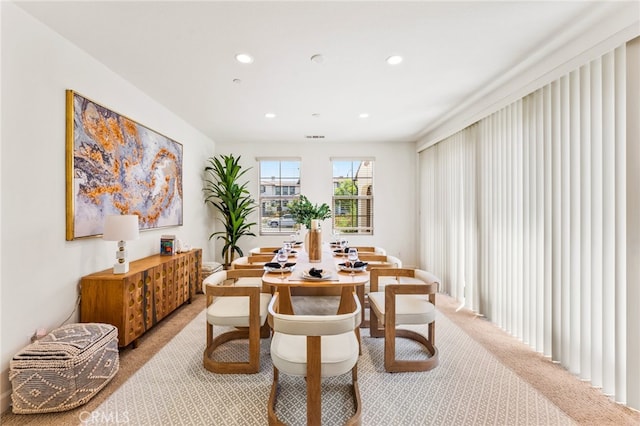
(523, 216)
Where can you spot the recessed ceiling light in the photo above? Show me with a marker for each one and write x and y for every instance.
(237, 81)
(364, 115)
(244, 58)
(315, 115)
(317, 58)
(270, 115)
(394, 60)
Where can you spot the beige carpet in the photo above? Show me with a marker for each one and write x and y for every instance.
(582, 403)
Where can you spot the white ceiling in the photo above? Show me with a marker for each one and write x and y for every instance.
(182, 55)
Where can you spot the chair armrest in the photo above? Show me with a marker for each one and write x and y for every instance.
(224, 290)
(375, 273)
(392, 290)
(314, 325)
(219, 290)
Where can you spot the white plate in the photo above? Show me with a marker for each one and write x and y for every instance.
(278, 270)
(325, 276)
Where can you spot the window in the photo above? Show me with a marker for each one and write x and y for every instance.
(279, 184)
(353, 196)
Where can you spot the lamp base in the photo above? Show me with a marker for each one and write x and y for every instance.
(121, 268)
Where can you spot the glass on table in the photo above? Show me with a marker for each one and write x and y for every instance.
(282, 258)
(335, 237)
(353, 258)
(287, 247)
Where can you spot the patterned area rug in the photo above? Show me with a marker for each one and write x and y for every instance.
(469, 387)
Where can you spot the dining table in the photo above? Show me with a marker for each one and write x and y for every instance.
(333, 276)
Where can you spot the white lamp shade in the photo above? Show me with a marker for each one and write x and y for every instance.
(120, 227)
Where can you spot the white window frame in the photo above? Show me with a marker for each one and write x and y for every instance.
(360, 221)
(276, 180)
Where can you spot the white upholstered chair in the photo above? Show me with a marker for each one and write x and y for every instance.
(375, 261)
(234, 299)
(410, 301)
(312, 347)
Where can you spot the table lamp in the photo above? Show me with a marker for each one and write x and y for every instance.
(121, 228)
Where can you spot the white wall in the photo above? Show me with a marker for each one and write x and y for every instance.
(395, 208)
(40, 271)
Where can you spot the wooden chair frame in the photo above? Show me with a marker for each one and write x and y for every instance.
(264, 250)
(314, 382)
(254, 332)
(254, 261)
(384, 263)
(389, 330)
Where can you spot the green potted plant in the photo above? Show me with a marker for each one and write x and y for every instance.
(303, 211)
(224, 191)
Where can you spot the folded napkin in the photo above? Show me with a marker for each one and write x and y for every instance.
(346, 250)
(292, 251)
(315, 272)
(356, 264)
(275, 265)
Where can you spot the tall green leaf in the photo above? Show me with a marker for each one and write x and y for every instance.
(231, 199)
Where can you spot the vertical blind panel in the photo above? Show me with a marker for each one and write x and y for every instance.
(596, 223)
(519, 223)
(574, 361)
(555, 295)
(524, 218)
(585, 222)
(565, 211)
(608, 225)
(540, 217)
(526, 223)
(547, 221)
(621, 226)
(632, 296)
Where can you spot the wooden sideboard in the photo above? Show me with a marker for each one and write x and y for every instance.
(133, 302)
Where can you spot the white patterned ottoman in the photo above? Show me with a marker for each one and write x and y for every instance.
(64, 369)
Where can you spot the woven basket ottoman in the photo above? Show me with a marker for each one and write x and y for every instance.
(64, 369)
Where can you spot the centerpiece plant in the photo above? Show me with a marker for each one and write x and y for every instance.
(224, 191)
(303, 211)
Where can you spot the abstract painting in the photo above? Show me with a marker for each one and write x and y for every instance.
(118, 166)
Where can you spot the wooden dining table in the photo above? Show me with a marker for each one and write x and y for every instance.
(345, 281)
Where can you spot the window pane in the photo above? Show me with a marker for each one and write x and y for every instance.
(353, 196)
(279, 184)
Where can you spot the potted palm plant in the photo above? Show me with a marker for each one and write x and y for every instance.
(224, 191)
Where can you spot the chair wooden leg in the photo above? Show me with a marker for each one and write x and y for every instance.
(249, 367)
(273, 396)
(356, 419)
(393, 365)
(314, 385)
(374, 325)
(265, 331)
